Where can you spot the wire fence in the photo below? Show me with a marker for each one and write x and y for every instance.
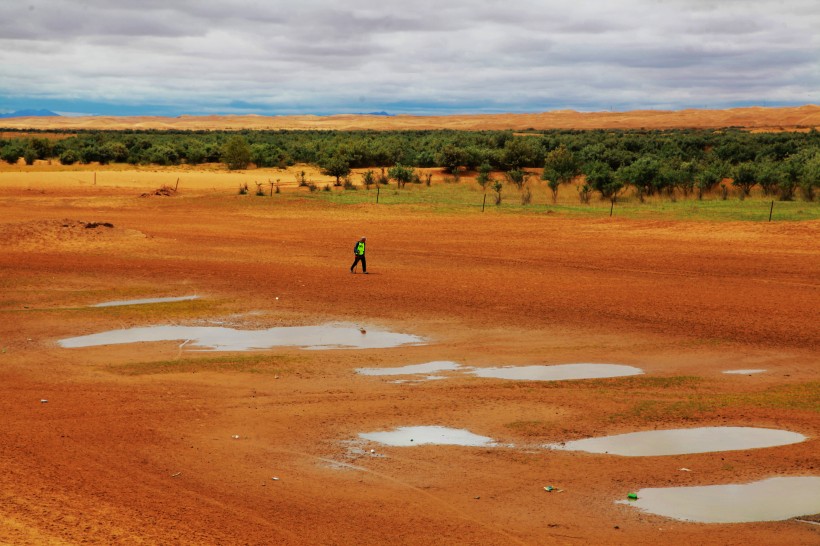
(713, 206)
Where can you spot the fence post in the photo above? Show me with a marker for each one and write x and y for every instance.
(484, 202)
(771, 209)
(377, 194)
(612, 206)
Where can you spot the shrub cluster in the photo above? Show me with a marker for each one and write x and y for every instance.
(652, 161)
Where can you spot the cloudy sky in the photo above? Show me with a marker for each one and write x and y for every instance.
(171, 57)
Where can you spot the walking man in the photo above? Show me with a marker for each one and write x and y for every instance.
(358, 253)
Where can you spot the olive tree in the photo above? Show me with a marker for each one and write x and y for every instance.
(707, 179)
(236, 153)
(368, 179)
(401, 174)
(484, 177)
(643, 174)
(601, 178)
(451, 158)
(810, 179)
(560, 166)
(518, 177)
(520, 152)
(745, 176)
(337, 167)
(768, 176)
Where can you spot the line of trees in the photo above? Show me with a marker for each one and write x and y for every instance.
(653, 162)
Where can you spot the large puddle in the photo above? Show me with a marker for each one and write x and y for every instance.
(682, 441)
(774, 499)
(559, 372)
(414, 436)
(556, 372)
(413, 369)
(228, 339)
(146, 301)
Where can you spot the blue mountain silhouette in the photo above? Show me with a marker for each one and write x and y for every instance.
(28, 113)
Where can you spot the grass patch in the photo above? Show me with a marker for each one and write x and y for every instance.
(731, 210)
(120, 317)
(530, 428)
(803, 396)
(613, 386)
(468, 197)
(261, 364)
(689, 409)
(157, 312)
(800, 397)
(648, 382)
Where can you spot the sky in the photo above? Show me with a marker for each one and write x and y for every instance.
(272, 57)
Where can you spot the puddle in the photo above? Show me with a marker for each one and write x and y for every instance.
(743, 372)
(422, 380)
(525, 373)
(145, 301)
(414, 436)
(413, 369)
(774, 499)
(210, 338)
(559, 372)
(682, 441)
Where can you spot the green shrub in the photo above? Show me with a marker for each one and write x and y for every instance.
(69, 157)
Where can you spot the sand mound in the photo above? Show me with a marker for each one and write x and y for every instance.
(64, 234)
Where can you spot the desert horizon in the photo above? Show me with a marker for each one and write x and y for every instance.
(753, 118)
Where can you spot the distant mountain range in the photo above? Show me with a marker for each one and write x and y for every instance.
(28, 114)
(31, 113)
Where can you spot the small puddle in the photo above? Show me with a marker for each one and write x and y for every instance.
(559, 372)
(743, 372)
(682, 441)
(145, 301)
(210, 338)
(774, 499)
(414, 436)
(421, 380)
(413, 369)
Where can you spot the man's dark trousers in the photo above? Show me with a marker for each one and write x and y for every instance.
(359, 258)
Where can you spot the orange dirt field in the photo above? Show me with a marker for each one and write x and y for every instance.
(135, 444)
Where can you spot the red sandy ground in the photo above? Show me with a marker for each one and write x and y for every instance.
(135, 444)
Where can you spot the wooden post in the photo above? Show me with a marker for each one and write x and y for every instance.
(377, 194)
(484, 203)
(771, 209)
(176, 185)
(612, 206)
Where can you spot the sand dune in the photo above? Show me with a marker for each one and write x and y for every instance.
(759, 118)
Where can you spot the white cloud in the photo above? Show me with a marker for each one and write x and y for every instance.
(362, 54)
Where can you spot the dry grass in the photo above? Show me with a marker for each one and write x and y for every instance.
(753, 118)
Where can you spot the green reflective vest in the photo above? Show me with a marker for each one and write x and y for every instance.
(360, 248)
